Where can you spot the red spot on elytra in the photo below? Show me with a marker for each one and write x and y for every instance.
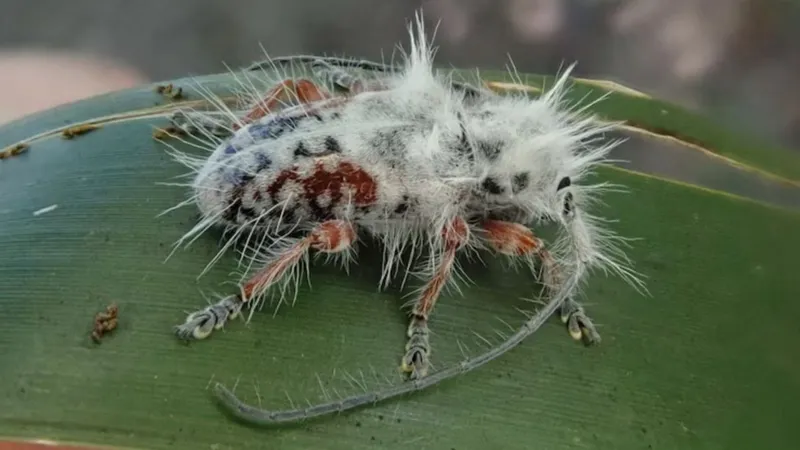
(334, 182)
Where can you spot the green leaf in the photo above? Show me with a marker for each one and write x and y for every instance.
(642, 114)
(708, 361)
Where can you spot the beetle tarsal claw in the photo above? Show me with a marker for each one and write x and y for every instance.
(416, 360)
(200, 324)
(415, 363)
(579, 325)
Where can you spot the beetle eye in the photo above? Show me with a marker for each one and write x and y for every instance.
(565, 182)
(568, 204)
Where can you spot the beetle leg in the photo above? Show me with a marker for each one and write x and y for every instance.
(333, 236)
(416, 359)
(515, 239)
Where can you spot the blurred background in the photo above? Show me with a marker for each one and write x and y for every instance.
(736, 59)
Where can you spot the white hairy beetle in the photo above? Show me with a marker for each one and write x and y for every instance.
(419, 162)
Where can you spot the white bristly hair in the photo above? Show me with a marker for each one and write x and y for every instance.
(436, 153)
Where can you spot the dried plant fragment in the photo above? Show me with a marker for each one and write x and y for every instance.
(105, 322)
(170, 91)
(79, 130)
(14, 150)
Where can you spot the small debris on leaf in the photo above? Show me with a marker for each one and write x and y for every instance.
(168, 90)
(105, 322)
(45, 210)
(14, 150)
(78, 130)
(164, 133)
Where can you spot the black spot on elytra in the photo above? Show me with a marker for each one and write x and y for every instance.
(234, 204)
(520, 181)
(565, 182)
(290, 215)
(250, 213)
(318, 212)
(274, 213)
(332, 145)
(363, 210)
(234, 176)
(301, 150)
(491, 186)
(390, 144)
(275, 127)
(491, 150)
(262, 162)
(403, 206)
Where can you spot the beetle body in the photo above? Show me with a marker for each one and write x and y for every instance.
(417, 163)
